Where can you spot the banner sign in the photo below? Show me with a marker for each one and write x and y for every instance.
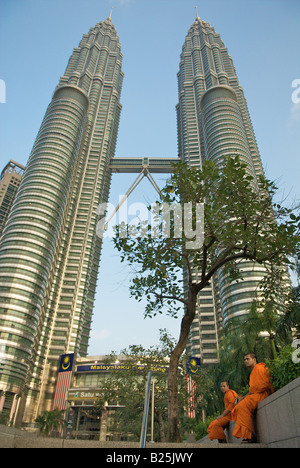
(119, 367)
(66, 363)
(193, 365)
(63, 381)
(82, 395)
(192, 369)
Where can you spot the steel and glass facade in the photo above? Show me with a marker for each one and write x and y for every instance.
(213, 122)
(49, 252)
(10, 180)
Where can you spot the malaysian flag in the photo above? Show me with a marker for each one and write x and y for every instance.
(63, 381)
(192, 368)
(191, 391)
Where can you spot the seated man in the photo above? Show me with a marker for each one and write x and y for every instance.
(216, 427)
(259, 388)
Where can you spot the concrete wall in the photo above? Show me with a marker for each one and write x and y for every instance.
(278, 418)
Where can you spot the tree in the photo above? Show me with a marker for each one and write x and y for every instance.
(288, 327)
(241, 222)
(51, 421)
(127, 387)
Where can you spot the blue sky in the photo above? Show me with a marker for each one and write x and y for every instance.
(263, 37)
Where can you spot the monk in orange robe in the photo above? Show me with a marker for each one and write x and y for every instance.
(259, 388)
(216, 428)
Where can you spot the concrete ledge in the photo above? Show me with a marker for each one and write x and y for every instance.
(228, 431)
(278, 417)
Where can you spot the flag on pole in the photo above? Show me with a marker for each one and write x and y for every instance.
(63, 381)
(192, 369)
(191, 391)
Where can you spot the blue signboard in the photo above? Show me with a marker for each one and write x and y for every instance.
(66, 362)
(193, 365)
(118, 367)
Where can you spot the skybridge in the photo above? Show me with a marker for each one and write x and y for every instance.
(137, 165)
(145, 167)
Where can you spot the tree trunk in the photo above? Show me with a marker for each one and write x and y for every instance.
(162, 437)
(173, 403)
(273, 346)
(173, 406)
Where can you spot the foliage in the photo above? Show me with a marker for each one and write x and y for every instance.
(282, 369)
(289, 323)
(4, 418)
(124, 389)
(200, 427)
(240, 222)
(127, 388)
(51, 421)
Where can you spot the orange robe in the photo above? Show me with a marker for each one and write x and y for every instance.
(216, 428)
(259, 387)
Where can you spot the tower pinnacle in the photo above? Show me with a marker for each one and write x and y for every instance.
(109, 18)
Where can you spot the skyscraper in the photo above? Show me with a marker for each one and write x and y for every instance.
(49, 252)
(213, 121)
(10, 180)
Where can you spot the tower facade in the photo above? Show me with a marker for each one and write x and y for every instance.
(10, 180)
(49, 251)
(213, 121)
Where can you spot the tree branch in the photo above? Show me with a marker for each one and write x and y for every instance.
(205, 251)
(163, 296)
(224, 259)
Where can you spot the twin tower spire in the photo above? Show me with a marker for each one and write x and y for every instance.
(110, 14)
(109, 18)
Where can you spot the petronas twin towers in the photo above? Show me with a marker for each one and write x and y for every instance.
(49, 251)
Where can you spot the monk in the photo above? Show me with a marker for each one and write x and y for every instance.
(216, 428)
(259, 388)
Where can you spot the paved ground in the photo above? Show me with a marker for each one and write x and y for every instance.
(16, 438)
